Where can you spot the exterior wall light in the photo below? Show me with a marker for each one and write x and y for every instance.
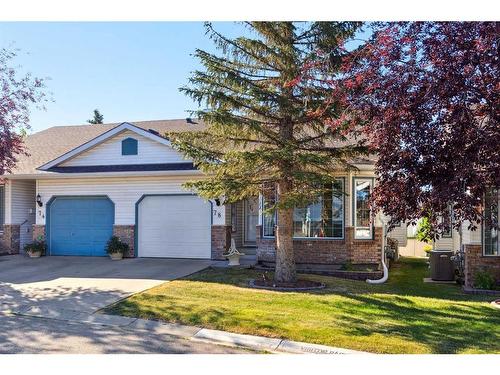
(39, 200)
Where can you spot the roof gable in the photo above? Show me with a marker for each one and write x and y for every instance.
(92, 152)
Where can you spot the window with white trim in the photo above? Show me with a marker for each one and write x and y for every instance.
(448, 223)
(323, 218)
(363, 226)
(268, 218)
(491, 239)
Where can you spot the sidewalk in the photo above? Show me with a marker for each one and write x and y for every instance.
(256, 343)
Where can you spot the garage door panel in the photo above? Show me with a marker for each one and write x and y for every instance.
(80, 225)
(174, 227)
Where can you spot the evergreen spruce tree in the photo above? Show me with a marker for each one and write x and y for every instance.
(98, 118)
(270, 130)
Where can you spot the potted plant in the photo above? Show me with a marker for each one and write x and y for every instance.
(35, 249)
(116, 248)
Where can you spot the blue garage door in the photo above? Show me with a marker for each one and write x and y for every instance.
(80, 226)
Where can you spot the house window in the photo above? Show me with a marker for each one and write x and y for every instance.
(323, 218)
(234, 218)
(268, 218)
(362, 212)
(129, 146)
(2, 205)
(448, 222)
(491, 239)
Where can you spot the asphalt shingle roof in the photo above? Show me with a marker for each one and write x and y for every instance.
(51, 143)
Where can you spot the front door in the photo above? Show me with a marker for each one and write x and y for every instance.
(251, 220)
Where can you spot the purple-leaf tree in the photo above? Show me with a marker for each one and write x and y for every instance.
(427, 95)
(17, 95)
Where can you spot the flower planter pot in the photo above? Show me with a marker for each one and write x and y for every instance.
(233, 255)
(35, 254)
(234, 260)
(116, 256)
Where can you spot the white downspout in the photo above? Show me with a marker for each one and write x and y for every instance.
(384, 266)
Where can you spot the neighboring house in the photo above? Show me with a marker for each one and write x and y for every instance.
(81, 184)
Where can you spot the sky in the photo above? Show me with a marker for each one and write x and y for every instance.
(129, 71)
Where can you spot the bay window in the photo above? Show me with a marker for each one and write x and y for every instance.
(362, 212)
(491, 239)
(321, 219)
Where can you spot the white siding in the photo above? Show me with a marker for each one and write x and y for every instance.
(124, 192)
(20, 207)
(471, 236)
(110, 152)
(399, 234)
(8, 202)
(452, 243)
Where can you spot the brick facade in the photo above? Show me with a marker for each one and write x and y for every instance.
(325, 251)
(476, 261)
(38, 232)
(126, 233)
(221, 241)
(11, 238)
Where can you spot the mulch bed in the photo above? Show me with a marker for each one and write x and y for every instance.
(300, 285)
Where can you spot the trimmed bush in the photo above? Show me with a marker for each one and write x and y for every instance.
(484, 280)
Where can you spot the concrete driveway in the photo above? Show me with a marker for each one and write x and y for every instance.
(82, 284)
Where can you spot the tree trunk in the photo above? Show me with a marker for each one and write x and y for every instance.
(285, 261)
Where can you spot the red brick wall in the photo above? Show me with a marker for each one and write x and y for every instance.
(38, 232)
(323, 251)
(11, 238)
(221, 240)
(476, 261)
(126, 233)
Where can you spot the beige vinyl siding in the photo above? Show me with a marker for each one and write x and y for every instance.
(20, 207)
(399, 234)
(8, 202)
(471, 236)
(110, 152)
(2, 206)
(124, 192)
(447, 243)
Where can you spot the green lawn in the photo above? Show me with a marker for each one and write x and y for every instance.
(403, 316)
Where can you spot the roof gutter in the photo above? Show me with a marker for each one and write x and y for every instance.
(52, 175)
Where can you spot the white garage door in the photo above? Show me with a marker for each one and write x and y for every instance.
(174, 227)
